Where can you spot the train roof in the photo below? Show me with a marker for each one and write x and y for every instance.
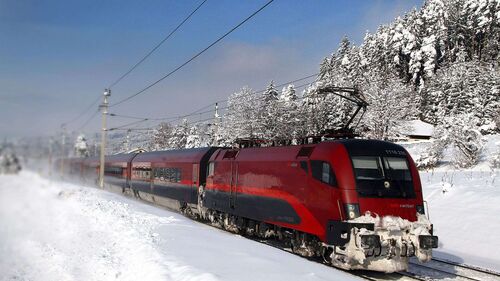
(291, 153)
(372, 147)
(272, 153)
(120, 157)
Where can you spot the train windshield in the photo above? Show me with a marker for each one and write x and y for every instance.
(387, 177)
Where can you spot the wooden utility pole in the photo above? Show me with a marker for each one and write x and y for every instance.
(63, 148)
(104, 108)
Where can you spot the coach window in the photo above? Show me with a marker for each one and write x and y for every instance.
(211, 169)
(322, 171)
(325, 175)
(303, 165)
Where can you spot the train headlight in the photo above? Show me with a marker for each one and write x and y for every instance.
(352, 211)
(420, 209)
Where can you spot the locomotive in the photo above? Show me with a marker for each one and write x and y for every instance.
(355, 203)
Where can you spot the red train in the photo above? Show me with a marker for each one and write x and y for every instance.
(356, 203)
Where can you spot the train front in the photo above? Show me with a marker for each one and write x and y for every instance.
(384, 221)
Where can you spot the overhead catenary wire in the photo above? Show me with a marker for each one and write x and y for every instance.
(82, 113)
(206, 119)
(227, 106)
(157, 45)
(193, 57)
(88, 121)
(179, 117)
(199, 111)
(128, 124)
(440, 33)
(237, 103)
(138, 63)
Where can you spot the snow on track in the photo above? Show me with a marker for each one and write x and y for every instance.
(60, 231)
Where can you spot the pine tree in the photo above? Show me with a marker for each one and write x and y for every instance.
(287, 117)
(267, 125)
(193, 139)
(468, 87)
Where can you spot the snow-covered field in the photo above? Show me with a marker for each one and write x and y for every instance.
(60, 231)
(464, 206)
(467, 216)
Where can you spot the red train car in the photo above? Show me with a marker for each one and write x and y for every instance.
(170, 178)
(316, 194)
(356, 203)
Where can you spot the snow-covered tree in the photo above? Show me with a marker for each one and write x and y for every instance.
(287, 117)
(81, 147)
(459, 132)
(390, 103)
(467, 140)
(495, 160)
(242, 116)
(440, 140)
(469, 87)
(179, 135)
(268, 113)
(195, 138)
(161, 136)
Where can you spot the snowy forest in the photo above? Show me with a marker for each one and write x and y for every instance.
(438, 64)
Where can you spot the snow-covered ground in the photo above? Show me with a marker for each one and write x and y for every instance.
(467, 216)
(464, 207)
(61, 231)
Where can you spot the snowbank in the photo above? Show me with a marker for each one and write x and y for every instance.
(60, 231)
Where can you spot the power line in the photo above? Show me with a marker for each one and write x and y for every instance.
(278, 86)
(83, 112)
(163, 118)
(194, 57)
(244, 95)
(158, 45)
(128, 116)
(441, 33)
(128, 124)
(88, 121)
(197, 112)
(137, 64)
(176, 118)
(207, 119)
(224, 107)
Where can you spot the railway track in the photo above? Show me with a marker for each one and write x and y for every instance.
(436, 269)
(439, 269)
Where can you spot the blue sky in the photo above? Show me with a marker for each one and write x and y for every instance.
(56, 57)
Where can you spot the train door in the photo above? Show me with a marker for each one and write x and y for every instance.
(195, 182)
(234, 183)
(196, 172)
